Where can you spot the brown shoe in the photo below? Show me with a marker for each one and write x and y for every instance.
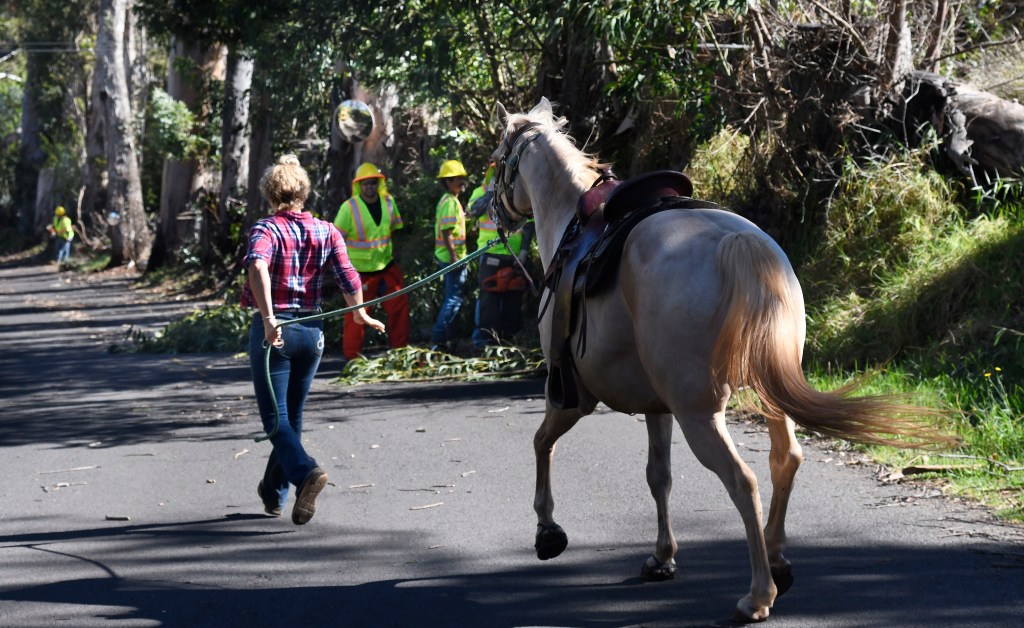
(305, 501)
(273, 511)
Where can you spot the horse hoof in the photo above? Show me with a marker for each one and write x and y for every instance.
(740, 617)
(783, 578)
(551, 541)
(656, 571)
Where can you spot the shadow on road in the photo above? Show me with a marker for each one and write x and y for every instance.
(588, 586)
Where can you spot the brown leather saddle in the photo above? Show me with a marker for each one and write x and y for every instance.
(587, 260)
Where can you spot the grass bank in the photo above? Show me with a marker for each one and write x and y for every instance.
(920, 283)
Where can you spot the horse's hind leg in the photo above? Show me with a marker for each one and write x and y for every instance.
(711, 443)
(785, 459)
(662, 565)
(551, 540)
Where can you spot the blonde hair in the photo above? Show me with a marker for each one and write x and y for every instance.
(285, 185)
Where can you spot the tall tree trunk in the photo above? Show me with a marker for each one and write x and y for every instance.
(235, 136)
(260, 155)
(137, 76)
(92, 206)
(176, 182)
(897, 61)
(130, 236)
(182, 179)
(31, 155)
(575, 64)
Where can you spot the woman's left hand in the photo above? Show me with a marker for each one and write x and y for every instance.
(362, 318)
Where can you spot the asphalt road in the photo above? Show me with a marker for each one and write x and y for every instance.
(128, 499)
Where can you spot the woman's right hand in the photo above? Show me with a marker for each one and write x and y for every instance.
(272, 333)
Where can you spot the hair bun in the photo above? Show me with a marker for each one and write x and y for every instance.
(288, 160)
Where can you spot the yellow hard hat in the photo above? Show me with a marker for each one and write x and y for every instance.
(60, 210)
(367, 171)
(452, 168)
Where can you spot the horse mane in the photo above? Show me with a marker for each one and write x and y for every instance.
(579, 164)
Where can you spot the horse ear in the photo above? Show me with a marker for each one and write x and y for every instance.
(544, 106)
(502, 115)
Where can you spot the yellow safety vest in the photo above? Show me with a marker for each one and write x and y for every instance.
(449, 217)
(489, 231)
(62, 227)
(369, 244)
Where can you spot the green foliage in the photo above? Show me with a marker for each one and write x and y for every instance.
(720, 169)
(10, 123)
(881, 210)
(412, 363)
(217, 329)
(902, 272)
(11, 73)
(987, 405)
(927, 281)
(170, 128)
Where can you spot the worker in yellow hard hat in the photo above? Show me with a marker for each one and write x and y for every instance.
(367, 220)
(449, 247)
(63, 232)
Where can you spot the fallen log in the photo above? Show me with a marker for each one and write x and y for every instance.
(982, 133)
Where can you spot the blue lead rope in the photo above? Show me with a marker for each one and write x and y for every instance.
(340, 312)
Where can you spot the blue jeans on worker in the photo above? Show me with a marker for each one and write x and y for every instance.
(292, 369)
(63, 250)
(454, 286)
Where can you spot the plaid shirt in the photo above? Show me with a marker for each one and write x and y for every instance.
(296, 247)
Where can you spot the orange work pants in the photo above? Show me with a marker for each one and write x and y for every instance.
(377, 285)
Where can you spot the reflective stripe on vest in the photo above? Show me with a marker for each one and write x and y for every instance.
(370, 246)
(489, 231)
(456, 224)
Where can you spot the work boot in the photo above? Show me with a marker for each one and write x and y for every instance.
(272, 510)
(305, 501)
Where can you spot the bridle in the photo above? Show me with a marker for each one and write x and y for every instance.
(502, 206)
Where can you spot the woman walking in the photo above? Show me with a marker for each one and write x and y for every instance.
(289, 252)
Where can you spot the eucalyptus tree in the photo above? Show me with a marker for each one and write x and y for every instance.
(194, 33)
(131, 238)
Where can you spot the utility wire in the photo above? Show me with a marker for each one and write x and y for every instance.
(40, 47)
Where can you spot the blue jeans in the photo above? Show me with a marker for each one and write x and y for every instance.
(292, 368)
(63, 250)
(454, 284)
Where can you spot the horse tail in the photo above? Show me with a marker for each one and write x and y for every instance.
(760, 346)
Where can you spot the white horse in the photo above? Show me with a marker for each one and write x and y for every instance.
(704, 302)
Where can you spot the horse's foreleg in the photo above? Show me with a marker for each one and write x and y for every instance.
(551, 540)
(711, 443)
(785, 459)
(661, 566)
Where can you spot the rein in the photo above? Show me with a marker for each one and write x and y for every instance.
(505, 175)
(502, 207)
